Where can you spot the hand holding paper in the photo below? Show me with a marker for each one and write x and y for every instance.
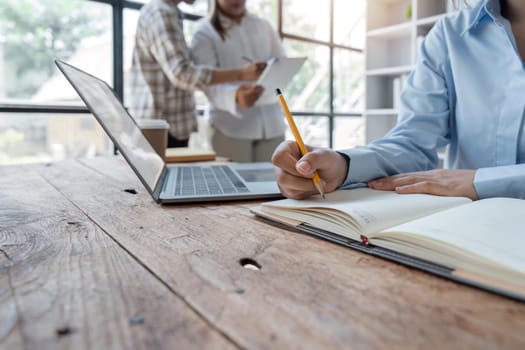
(278, 74)
(247, 95)
(253, 71)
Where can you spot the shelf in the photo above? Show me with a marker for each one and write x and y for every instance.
(393, 43)
(390, 71)
(382, 111)
(396, 31)
(429, 20)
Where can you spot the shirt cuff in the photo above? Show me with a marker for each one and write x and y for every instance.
(345, 185)
(502, 181)
(203, 77)
(363, 164)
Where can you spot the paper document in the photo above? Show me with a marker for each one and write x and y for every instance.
(277, 74)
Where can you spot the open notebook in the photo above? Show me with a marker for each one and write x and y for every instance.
(480, 243)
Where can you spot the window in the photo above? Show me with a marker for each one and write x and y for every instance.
(39, 109)
(313, 129)
(348, 80)
(331, 84)
(349, 23)
(33, 33)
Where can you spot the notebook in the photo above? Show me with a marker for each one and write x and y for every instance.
(168, 184)
(278, 73)
(479, 243)
(188, 154)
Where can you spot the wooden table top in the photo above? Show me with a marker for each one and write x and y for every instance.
(85, 264)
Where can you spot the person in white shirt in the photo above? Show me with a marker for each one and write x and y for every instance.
(242, 130)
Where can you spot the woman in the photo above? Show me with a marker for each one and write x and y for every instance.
(163, 76)
(468, 92)
(243, 130)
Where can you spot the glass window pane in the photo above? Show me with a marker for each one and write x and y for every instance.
(189, 27)
(199, 7)
(26, 138)
(131, 18)
(35, 32)
(307, 18)
(349, 23)
(309, 89)
(264, 8)
(349, 81)
(313, 129)
(348, 132)
(201, 138)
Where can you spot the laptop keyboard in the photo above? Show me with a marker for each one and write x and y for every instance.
(208, 181)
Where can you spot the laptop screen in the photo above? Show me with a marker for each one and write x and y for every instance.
(115, 120)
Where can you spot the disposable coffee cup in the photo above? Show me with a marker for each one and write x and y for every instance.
(156, 132)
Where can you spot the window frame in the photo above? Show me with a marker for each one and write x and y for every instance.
(331, 114)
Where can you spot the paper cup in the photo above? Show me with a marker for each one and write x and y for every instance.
(156, 132)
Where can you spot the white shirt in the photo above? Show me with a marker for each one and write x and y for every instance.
(254, 38)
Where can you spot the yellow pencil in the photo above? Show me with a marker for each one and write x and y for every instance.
(316, 179)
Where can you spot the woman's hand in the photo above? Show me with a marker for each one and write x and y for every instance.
(438, 182)
(252, 71)
(294, 173)
(247, 95)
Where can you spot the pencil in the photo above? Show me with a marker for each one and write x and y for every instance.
(298, 139)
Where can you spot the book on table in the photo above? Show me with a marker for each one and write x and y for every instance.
(188, 154)
(479, 243)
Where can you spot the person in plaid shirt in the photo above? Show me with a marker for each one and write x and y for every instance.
(163, 76)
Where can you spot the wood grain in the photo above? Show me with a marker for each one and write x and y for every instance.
(64, 284)
(308, 294)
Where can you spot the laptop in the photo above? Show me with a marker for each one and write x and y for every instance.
(168, 183)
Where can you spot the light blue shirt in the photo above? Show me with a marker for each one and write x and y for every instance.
(467, 91)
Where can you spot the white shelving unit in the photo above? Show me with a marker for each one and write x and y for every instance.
(395, 30)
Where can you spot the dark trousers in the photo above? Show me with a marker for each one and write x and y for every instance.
(173, 142)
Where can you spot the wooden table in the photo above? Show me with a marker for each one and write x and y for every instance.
(85, 264)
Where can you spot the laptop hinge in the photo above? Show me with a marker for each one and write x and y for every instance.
(160, 184)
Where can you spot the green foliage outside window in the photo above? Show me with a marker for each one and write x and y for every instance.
(34, 33)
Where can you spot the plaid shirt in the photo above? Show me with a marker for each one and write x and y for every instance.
(163, 76)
